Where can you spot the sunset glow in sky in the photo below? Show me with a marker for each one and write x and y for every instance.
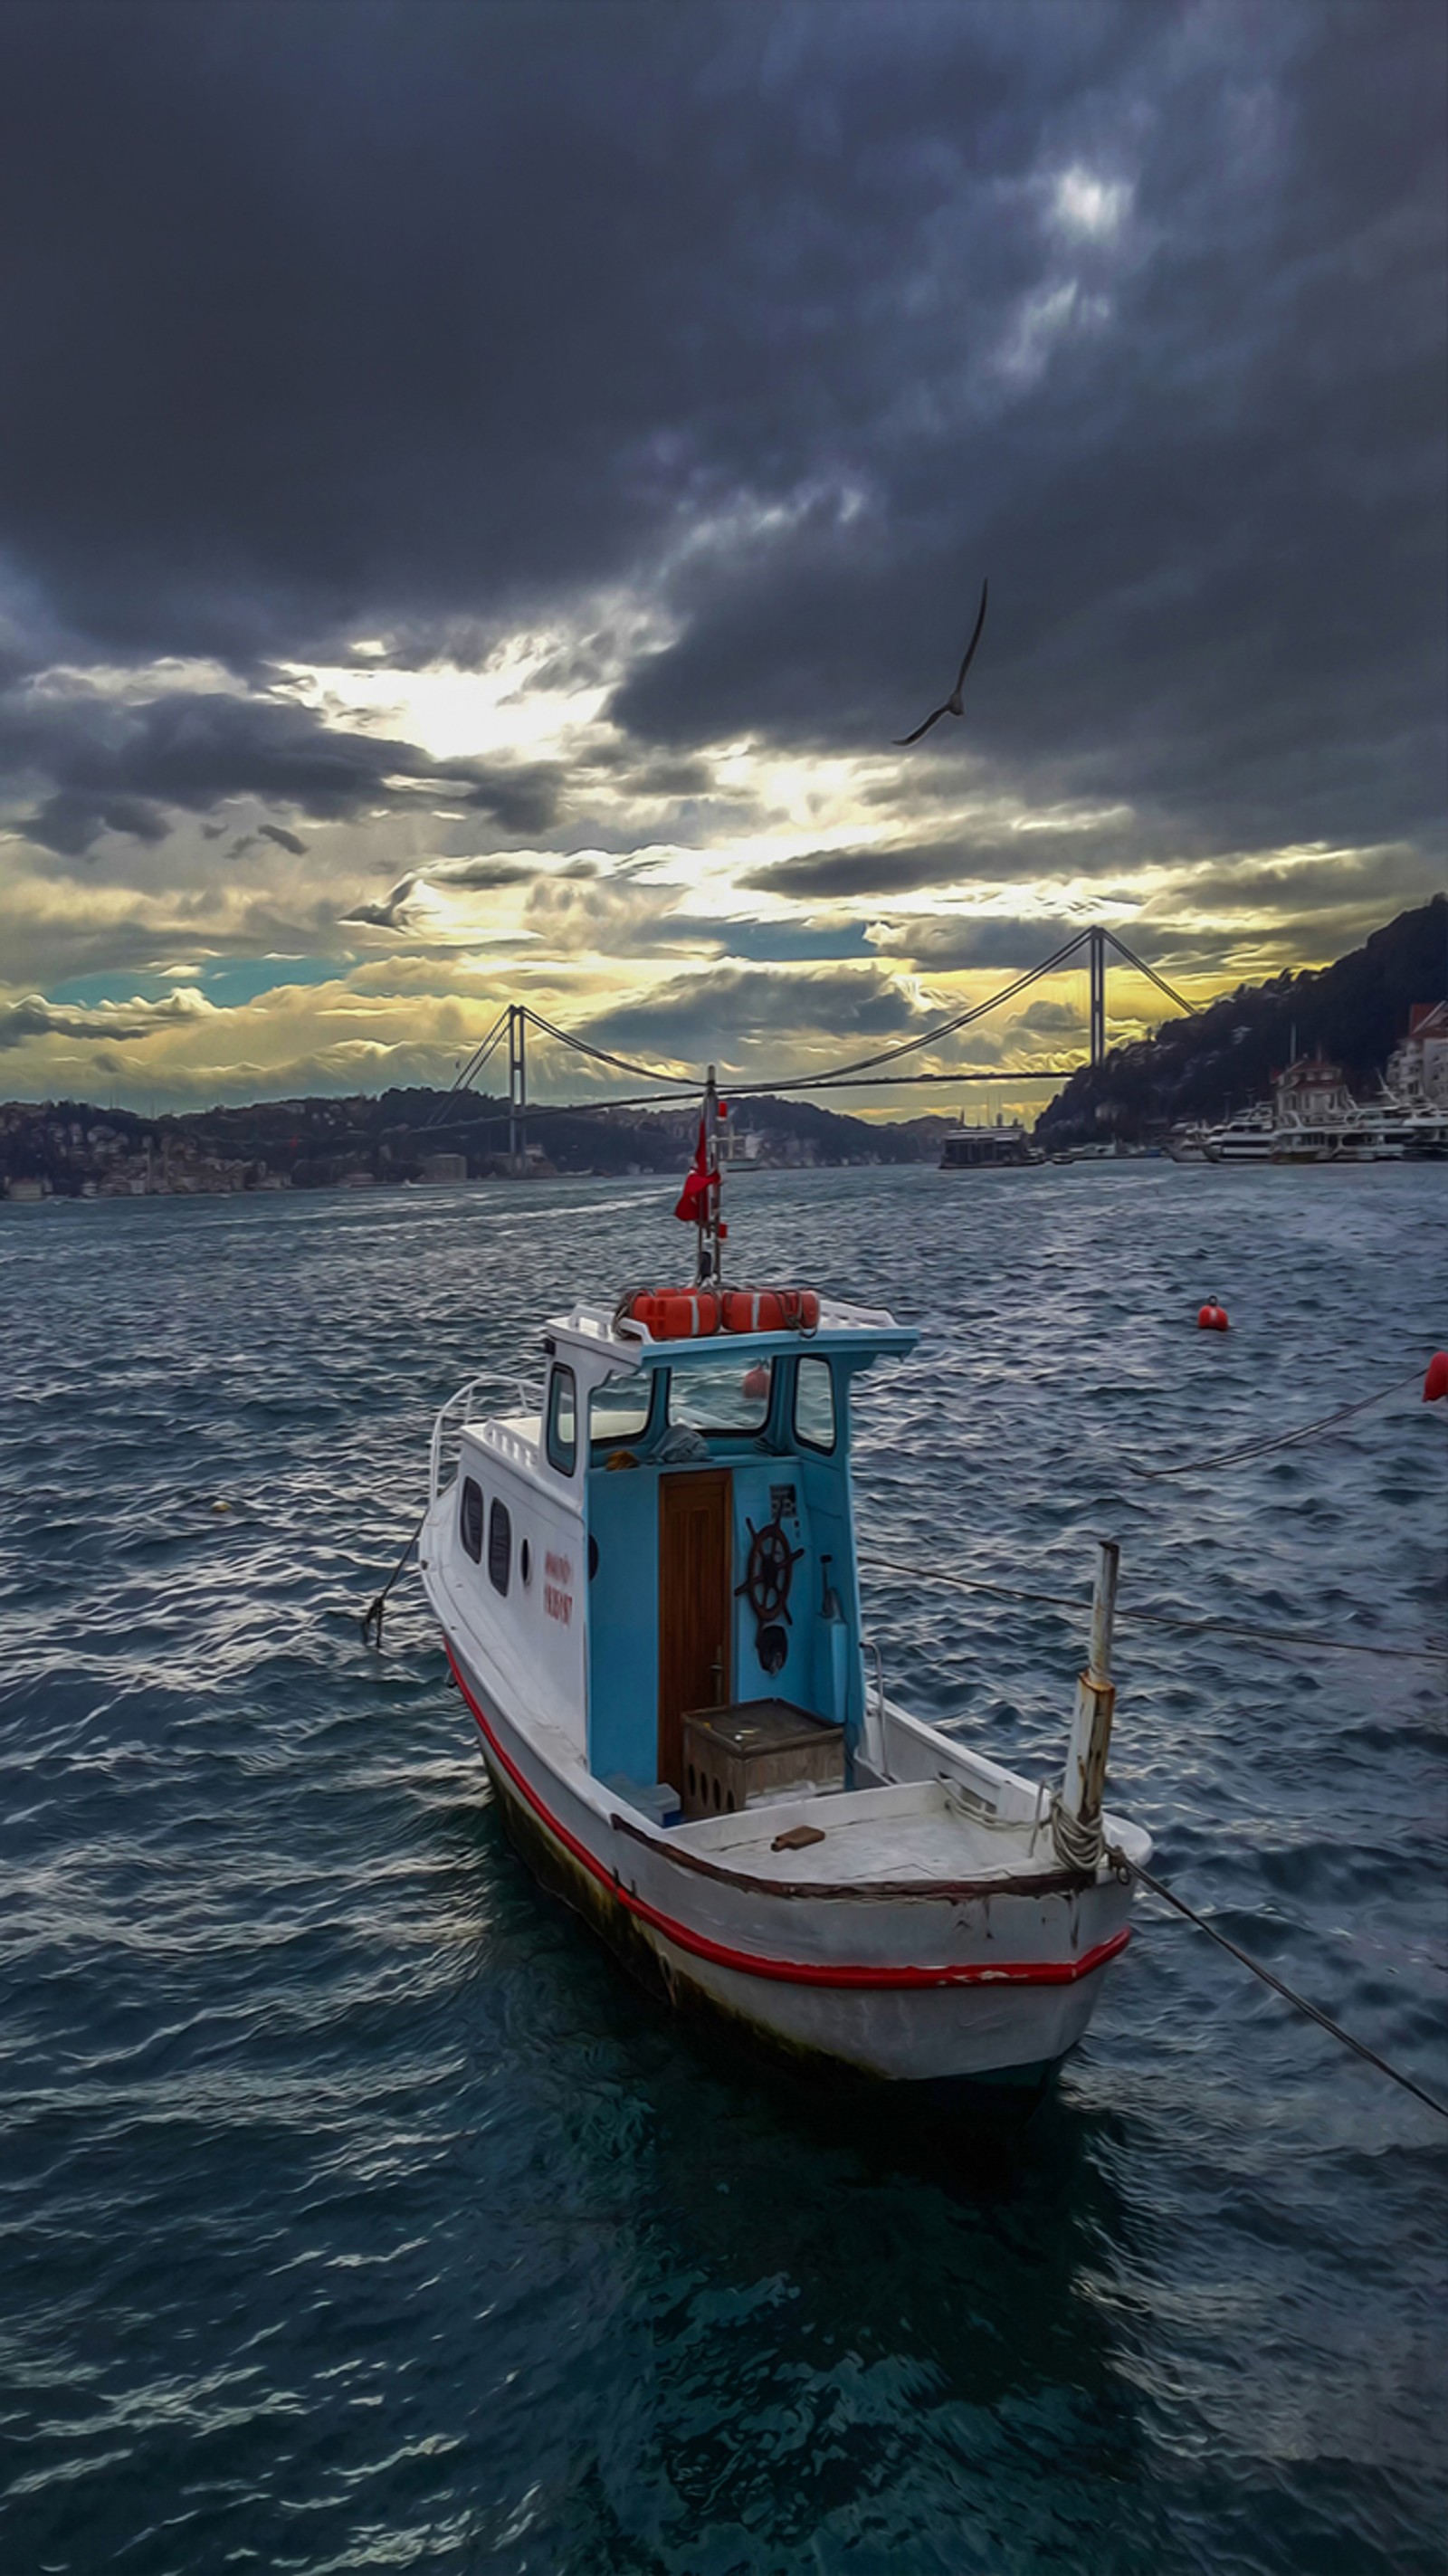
(482, 488)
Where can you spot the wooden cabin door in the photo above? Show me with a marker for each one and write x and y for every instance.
(695, 1601)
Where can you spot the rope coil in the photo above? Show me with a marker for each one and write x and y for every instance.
(1079, 1842)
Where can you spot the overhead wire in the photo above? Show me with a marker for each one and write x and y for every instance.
(1081, 1609)
(1276, 1440)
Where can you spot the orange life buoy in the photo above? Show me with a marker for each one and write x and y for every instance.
(684, 1314)
(676, 1314)
(770, 1310)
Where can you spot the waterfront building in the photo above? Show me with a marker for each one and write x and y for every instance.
(1311, 1091)
(1417, 1073)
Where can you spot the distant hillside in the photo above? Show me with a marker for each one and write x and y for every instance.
(1202, 1068)
(71, 1148)
(1193, 1069)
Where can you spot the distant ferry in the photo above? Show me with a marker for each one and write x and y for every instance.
(975, 1149)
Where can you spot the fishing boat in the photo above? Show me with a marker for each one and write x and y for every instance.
(648, 1590)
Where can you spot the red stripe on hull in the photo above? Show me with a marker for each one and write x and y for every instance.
(793, 1972)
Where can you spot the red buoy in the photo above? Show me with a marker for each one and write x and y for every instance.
(1435, 1384)
(1212, 1318)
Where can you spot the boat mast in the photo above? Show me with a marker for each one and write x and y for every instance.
(708, 1271)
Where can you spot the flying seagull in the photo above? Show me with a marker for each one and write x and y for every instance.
(952, 705)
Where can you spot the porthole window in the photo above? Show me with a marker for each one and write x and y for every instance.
(525, 1562)
(470, 1519)
(562, 1420)
(814, 1404)
(500, 1547)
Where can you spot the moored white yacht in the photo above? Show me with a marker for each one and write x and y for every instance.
(650, 1601)
(1312, 1117)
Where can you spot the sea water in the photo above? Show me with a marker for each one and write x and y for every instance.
(356, 2214)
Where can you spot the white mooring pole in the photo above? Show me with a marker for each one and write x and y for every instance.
(1076, 1815)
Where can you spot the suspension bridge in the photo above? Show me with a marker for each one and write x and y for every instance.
(889, 1065)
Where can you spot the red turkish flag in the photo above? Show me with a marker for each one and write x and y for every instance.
(699, 1180)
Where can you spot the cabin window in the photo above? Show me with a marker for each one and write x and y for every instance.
(562, 1421)
(500, 1547)
(470, 1519)
(619, 1409)
(814, 1404)
(725, 1394)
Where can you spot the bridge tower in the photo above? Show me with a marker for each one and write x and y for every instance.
(517, 1088)
(1097, 938)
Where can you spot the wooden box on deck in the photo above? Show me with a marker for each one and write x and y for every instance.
(735, 1756)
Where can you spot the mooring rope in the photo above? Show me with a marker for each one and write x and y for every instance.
(1279, 1440)
(1279, 1985)
(1078, 1609)
(1079, 1843)
(372, 1615)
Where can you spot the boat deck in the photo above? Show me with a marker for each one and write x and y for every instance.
(922, 1832)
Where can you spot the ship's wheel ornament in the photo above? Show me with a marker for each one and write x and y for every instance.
(769, 1573)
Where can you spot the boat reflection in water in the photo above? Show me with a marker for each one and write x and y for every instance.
(649, 1595)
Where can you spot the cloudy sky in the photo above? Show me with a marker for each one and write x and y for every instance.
(482, 486)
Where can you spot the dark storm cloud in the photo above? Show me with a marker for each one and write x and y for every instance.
(830, 875)
(1399, 876)
(368, 320)
(34, 1017)
(72, 821)
(945, 942)
(857, 875)
(284, 840)
(122, 767)
(730, 1007)
(482, 876)
(666, 777)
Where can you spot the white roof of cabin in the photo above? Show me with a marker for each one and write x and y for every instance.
(594, 1336)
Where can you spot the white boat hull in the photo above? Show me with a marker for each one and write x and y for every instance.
(929, 1984)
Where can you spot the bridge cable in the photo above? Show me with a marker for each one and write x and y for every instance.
(834, 1073)
(931, 1037)
(463, 1081)
(1142, 968)
(859, 1073)
(602, 1055)
(693, 1091)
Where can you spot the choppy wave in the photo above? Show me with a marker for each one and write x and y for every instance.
(353, 2214)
